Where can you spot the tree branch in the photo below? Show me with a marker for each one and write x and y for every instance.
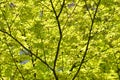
(16, 63)
(70, 15)
(62, 6)
(89, 38)
(88, 9)
(4, 17)
(26, 49)
(60, 34)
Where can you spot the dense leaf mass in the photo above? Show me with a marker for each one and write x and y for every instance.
(59, 40)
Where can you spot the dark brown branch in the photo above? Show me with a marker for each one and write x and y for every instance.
(16, 64)
(26, 48)
(4, 17)
(89, 38)
(53, 8)
(62, 6)
(56, 56)
(60, 33)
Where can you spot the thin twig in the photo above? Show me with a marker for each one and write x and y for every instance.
(45, 6)
(26, 48)
(89, 38)
(61, 8)
(88, 9)
(4, 17)
(15, 63)
(70, 15)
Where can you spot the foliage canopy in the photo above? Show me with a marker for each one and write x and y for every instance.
(59, 39)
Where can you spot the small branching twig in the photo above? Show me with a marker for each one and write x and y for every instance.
(70, 15)
(88, 42)
(11, 36)
(4, 17)
(60, 33)
(88, 9)
(26, 48)
(15, 62)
